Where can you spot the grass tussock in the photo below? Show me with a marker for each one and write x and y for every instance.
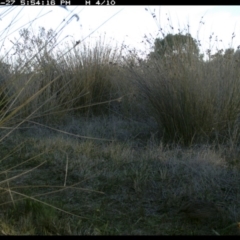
(96, 140)
(192, 100)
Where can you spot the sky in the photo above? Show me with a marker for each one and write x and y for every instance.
(128, 24)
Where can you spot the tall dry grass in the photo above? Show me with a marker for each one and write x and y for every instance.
(193, 100)
(42, 83)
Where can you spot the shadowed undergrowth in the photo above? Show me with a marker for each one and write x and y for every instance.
(96, 140)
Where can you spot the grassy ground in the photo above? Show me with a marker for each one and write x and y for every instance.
(123, 186)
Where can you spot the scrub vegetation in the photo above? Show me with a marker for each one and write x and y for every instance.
(97, 140)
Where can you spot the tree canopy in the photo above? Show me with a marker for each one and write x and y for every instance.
(175, 44)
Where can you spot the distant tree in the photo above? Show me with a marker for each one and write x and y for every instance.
(217, 55)
(224, 54)
(237, 55)
(229, 52)
(29, 45)
(230, 55)
(175, 44)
